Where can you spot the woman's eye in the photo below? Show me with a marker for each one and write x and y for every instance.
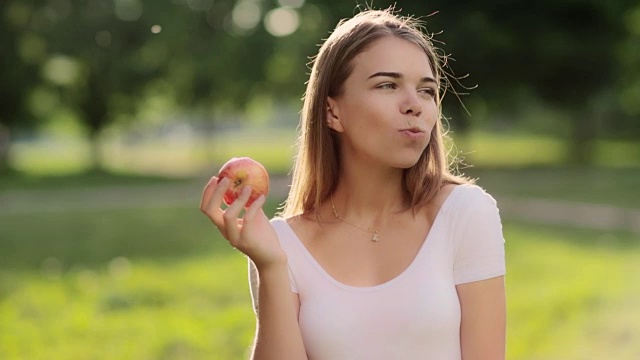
(428, 91)
(387, 86)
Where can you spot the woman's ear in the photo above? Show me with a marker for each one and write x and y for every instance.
(333, 115)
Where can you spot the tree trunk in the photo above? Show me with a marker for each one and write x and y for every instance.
(95, 109)
(583, 136)
(5, 147)
(97, 163)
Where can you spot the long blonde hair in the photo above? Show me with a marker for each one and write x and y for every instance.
(316, 169)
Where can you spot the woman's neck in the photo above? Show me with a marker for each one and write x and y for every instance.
(369, 192)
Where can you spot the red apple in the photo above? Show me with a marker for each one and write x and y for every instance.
(241, 172)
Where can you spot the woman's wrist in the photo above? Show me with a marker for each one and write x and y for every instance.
(273, 266)
(273, 270)
(271, 262)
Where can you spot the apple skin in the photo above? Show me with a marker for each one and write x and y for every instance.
(244, 171)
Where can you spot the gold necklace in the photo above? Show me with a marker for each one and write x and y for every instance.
(375, 237)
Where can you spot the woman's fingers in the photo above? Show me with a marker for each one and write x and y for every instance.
(207, 192)
(228, 221)
(232, 213)
(255, 207)
(213, 206)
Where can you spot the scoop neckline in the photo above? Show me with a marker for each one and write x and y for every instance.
(436, 222)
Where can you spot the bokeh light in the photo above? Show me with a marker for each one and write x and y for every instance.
(128, 10)
(120, 267)
(17, 14)
(61, 70)
(200, 5)
(291, 3)
(246, 15)
(312, 19)
(62, 8)
(43, 101)
(282, 21)
(103, 38)
(32, 48)
(632, 21)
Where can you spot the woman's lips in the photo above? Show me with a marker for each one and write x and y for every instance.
(412, 133)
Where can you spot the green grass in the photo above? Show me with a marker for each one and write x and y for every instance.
(485, 149)
(186, 308)
(95, 237)
(120, 284)
(612, 186)
(83, 179)
(618, 187)
(275, 148)
(566, 288)
(507, 164)
(159, 284)
(495, 149)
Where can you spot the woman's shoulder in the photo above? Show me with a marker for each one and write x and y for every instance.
(465, 200)
(472, 204)
(278, 220)
(293, 225)
(471, 193)
(281, 226)
(291, 221)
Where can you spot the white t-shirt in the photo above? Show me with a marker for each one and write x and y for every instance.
(416, 315)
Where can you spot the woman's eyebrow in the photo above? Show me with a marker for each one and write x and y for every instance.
(394, 75)
(397, 75)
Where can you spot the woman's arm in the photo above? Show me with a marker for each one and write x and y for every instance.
(278, 333)
(483, 327)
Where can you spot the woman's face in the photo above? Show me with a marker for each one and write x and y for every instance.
(387, 108)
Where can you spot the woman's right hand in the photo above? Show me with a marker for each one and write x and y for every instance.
(252, 233)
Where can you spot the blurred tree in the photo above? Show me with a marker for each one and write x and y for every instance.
(225, 57)
(103, 55)
(564, 52)
(21, 52)
(101, 58)
(627, 88)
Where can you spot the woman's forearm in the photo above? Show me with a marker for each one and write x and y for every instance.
(278, 333)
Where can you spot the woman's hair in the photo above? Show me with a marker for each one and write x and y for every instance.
(316, 169)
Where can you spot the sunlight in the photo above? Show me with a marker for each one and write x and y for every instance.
(61, 70)
(291, 3)
(128, 10)
(246, 15)
(282, 21)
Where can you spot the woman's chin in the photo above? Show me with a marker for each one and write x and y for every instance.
(406, 163)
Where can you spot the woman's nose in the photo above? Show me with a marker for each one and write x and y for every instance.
(411, 104)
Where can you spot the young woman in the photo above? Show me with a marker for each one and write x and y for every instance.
(380, 252)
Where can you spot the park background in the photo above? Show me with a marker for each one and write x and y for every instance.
(115, 113)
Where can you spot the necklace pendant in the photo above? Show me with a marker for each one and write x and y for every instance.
(375, 236)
